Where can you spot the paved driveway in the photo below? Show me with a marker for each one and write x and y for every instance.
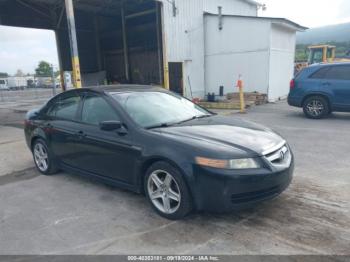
(66, 214)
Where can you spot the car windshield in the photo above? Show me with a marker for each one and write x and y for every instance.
(159, 109)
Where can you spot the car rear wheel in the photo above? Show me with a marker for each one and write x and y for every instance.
(316, 107)
(43, 158)
(167, 191)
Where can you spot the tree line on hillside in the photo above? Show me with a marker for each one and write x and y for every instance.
(44, 69)
(302, 51)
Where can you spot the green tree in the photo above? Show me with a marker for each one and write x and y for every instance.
(43, 69)
(2, 74)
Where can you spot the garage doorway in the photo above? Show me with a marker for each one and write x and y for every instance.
(143, 40)
(176, 77)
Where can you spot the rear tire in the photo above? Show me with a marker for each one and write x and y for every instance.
(316, 107)
(167, 191)
(43, 158)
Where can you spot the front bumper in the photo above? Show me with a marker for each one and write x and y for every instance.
(223, 191)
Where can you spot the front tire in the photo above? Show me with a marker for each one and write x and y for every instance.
(43, 158)
(316, 107)
(167, 191)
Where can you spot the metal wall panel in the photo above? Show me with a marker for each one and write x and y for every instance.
(184, 36)
(240, 48)
(282, 56)
(259, 50)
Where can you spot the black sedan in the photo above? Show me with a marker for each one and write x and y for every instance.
(152, 141)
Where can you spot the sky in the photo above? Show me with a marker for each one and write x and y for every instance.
(309, 13)
(23, 48)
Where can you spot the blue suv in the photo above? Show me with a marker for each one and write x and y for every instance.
(321, 89)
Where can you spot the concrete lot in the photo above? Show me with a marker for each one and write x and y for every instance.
(66, 214)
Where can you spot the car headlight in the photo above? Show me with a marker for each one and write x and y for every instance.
(243, 163)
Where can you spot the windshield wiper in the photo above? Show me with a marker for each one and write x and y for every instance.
(163, 125)
(203, 116)
(193, 118)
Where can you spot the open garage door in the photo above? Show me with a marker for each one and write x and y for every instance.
(118, 41)
(134, 54)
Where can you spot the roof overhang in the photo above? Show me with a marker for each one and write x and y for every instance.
(252, 2)
(46, 14)
(274, 20)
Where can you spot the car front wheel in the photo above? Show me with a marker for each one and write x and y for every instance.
(316, 107)
(167, 191)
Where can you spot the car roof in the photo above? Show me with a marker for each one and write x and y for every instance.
(125, 88)
(120, 89)
(330, 64)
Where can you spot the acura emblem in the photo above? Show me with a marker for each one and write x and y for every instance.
(282, 155)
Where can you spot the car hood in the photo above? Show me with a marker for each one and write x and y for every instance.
(227, 131)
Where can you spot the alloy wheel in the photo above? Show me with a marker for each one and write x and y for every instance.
(315, 108)
(164, 191)
(41, 157)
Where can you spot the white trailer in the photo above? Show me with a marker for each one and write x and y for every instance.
(16, 82)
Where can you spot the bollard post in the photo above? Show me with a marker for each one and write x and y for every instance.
(241, 95)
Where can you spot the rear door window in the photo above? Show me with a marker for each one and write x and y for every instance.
(338, 73)
(321, 73)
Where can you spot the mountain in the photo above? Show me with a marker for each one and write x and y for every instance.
(332, 33)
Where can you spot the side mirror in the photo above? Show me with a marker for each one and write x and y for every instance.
(110, 125)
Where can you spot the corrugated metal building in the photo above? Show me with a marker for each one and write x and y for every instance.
(190, 46)
(185, 41)
(216, 41)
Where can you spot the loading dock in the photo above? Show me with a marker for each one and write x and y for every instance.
(117, 41)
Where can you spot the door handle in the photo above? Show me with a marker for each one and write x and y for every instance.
(48, 125)
(326, 84)
(81, 134)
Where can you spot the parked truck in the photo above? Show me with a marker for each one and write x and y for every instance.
(16, 83)
(44, 82)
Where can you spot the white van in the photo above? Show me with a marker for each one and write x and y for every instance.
(4, 84)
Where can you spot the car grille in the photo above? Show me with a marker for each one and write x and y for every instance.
(251, 196)
(280, 157)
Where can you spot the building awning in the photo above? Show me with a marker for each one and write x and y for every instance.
(274, 20)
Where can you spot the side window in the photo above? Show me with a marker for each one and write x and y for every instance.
(96, 110)
(339, 73)
(321, 73)
(65, 108)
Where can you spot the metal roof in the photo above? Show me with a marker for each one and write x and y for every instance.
(278, 20)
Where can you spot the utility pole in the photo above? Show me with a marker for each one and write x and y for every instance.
(53, 80)
(125, 44)
(73, 43)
